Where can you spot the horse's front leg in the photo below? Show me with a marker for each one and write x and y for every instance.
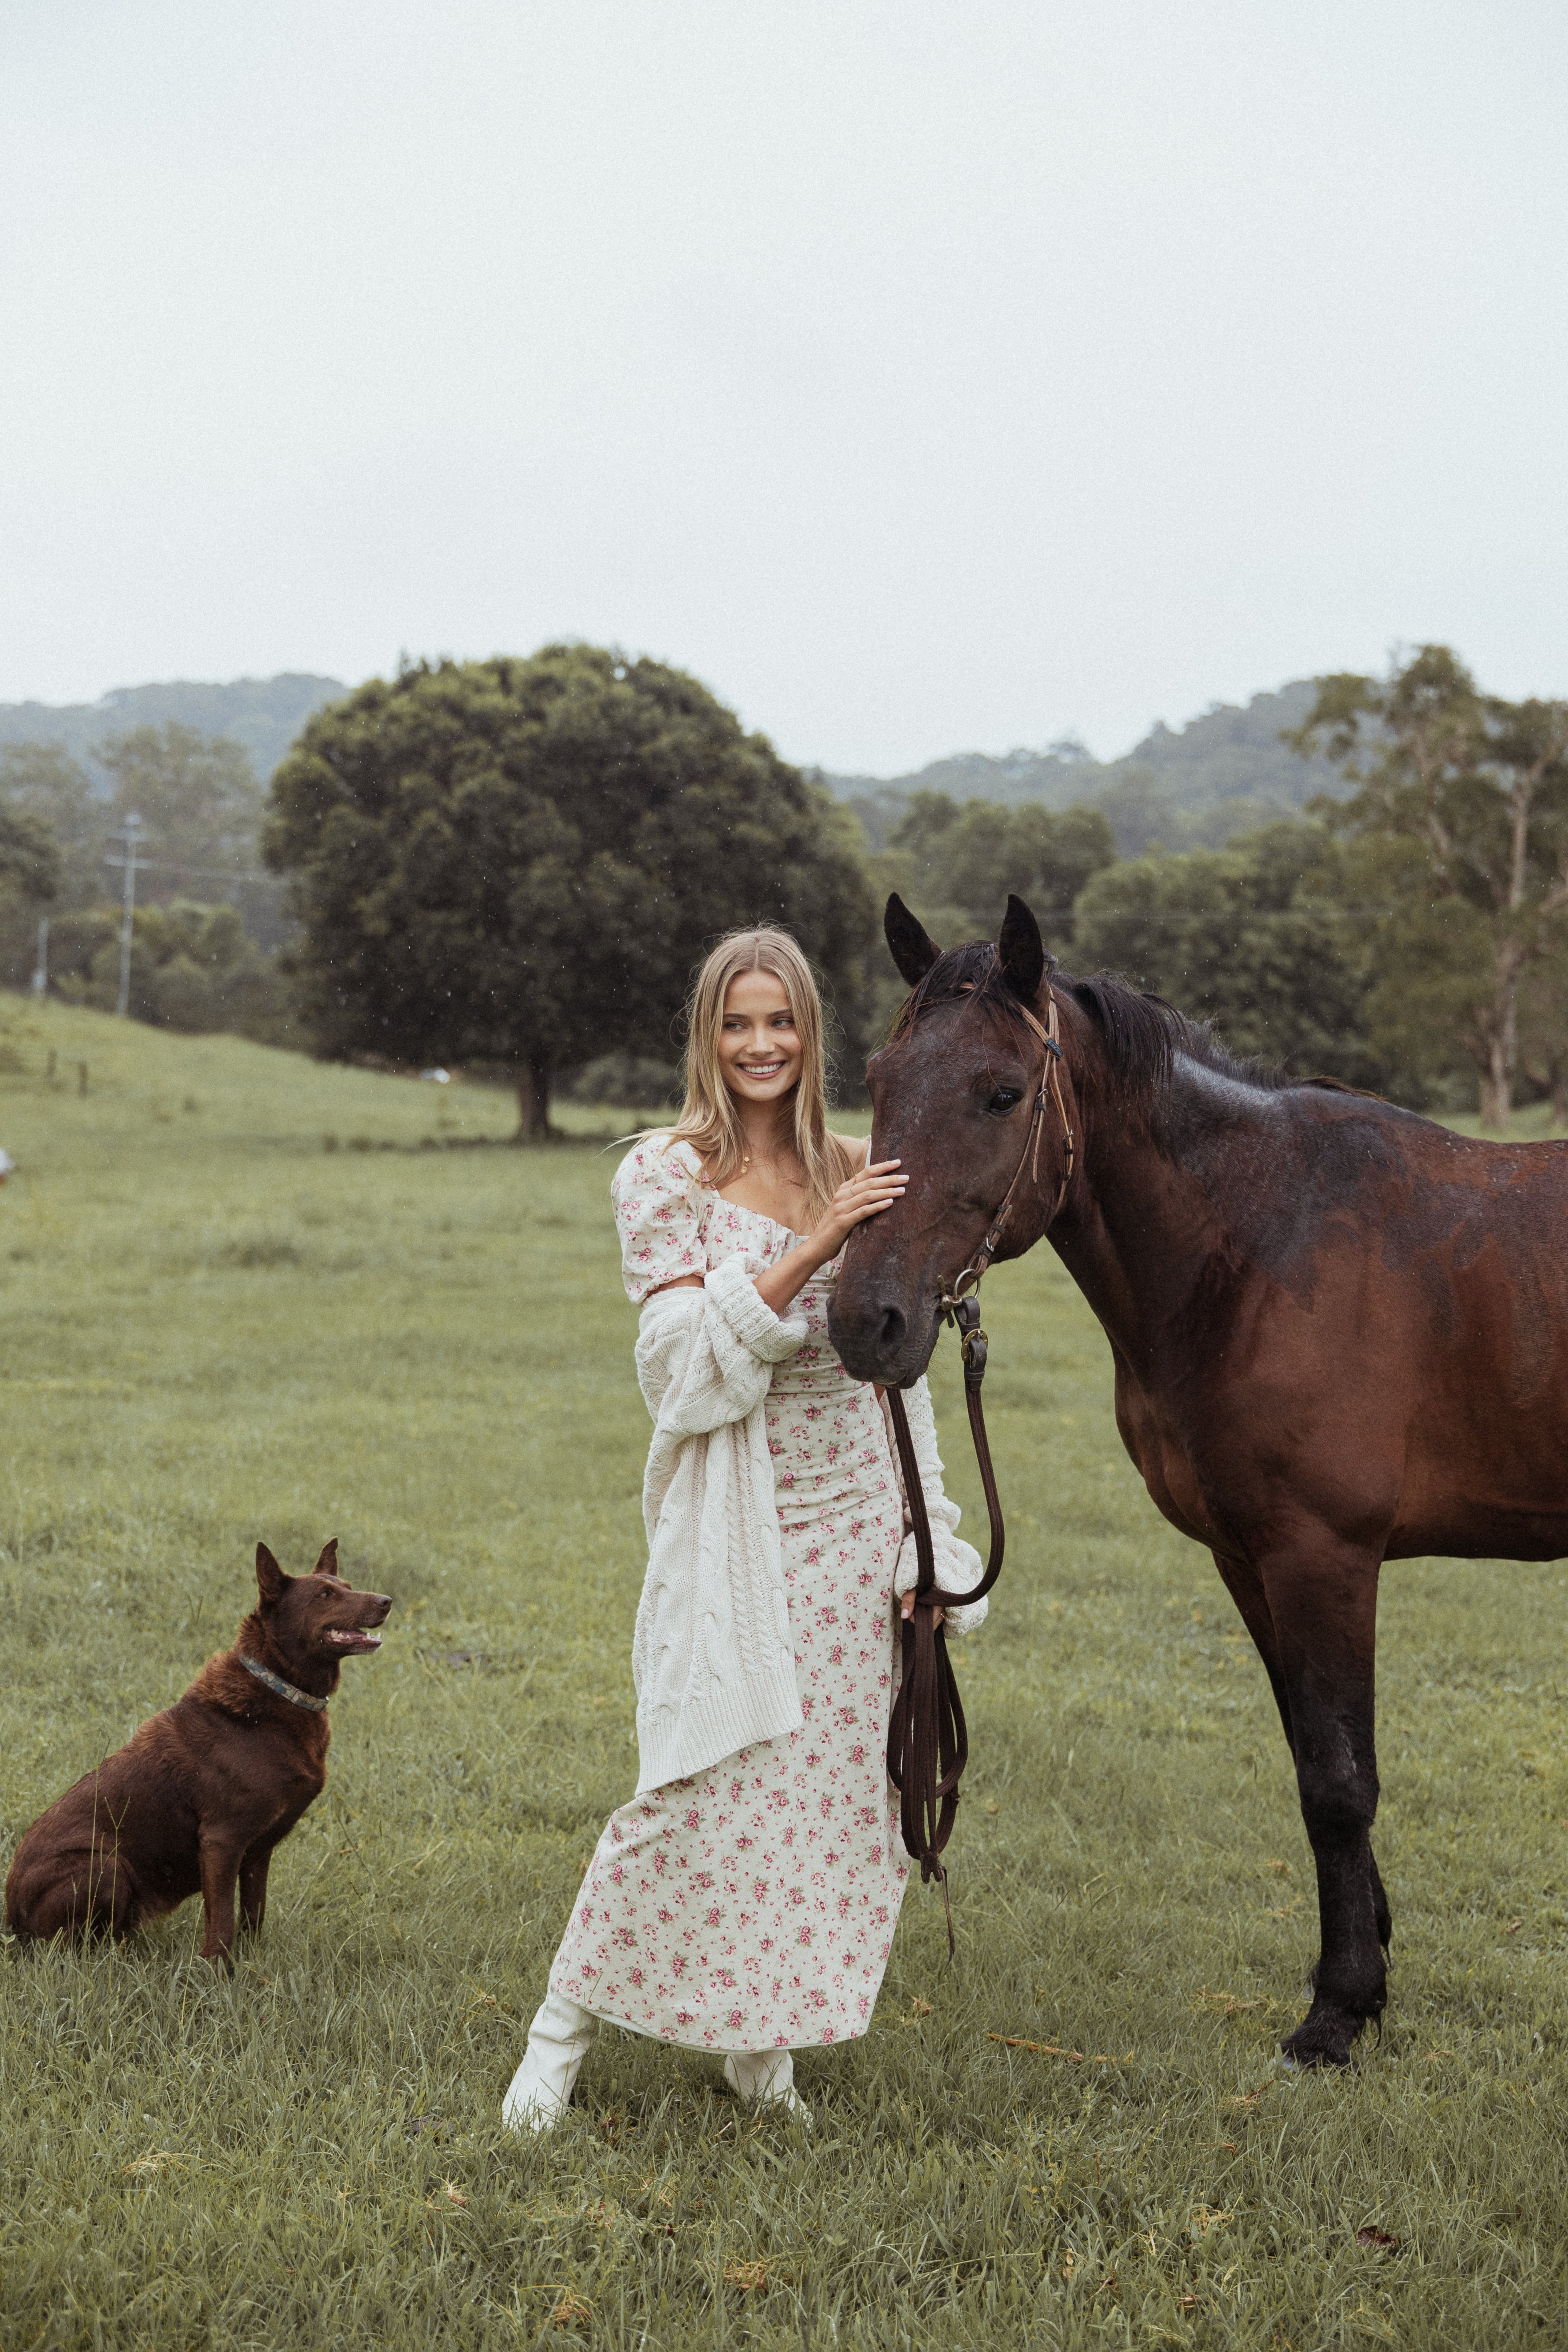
(1322, 1607)
(1246, 1589)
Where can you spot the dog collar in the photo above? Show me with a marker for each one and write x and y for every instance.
(276, 1682)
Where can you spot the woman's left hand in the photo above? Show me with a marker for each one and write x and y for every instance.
(907, 1610)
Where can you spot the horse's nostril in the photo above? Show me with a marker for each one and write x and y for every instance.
(893, 1327)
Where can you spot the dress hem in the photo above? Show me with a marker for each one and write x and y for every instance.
(718, 2049)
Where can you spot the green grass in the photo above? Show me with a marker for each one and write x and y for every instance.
(216, 1329)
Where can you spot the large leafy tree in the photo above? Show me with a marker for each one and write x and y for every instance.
(520, 861)
(1459, 824)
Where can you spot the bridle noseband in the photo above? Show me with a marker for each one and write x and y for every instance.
(927, 1741)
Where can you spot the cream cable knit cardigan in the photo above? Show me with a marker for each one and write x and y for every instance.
(712, 1659)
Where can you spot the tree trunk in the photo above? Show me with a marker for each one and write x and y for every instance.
(1501, 1040)
(534, 1101)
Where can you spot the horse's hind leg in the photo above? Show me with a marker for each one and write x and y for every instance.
(1322, 1601)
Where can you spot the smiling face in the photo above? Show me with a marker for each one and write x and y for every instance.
(760, 1050)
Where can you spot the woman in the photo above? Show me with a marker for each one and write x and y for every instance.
(744, 1901)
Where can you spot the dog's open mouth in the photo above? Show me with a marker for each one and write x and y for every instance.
(352, 1637)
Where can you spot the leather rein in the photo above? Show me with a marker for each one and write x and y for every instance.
(927, 1741)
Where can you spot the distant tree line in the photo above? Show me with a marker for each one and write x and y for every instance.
(513, 865)
(1195, 787)
(208, 914)
(262, 715)
(1408, 932)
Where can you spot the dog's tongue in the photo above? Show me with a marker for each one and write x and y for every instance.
(354, 1638)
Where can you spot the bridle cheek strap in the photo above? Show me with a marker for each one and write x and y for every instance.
(1050, 1087)
(927, 1741)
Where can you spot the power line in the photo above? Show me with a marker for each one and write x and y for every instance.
(207, 873)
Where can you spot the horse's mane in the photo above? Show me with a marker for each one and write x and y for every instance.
(1142, 1033)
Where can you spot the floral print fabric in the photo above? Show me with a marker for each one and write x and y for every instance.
(752, 1907)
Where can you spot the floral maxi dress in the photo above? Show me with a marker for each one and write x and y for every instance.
(752, 1907)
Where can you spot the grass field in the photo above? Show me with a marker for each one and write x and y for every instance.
(218, 1327)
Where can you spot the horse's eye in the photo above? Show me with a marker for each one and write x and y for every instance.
(1005, 1100)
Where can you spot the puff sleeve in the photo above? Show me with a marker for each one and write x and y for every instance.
(659, 1215)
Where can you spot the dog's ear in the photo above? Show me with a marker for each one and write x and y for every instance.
(328, 1563)
(1023, 952)
(910, 948)
(271, 1580)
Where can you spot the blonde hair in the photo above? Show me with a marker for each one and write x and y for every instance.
(708, 1120)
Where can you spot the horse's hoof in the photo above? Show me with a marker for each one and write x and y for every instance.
(1313, 2044)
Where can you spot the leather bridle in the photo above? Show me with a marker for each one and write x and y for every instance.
(1050, 1082)
(927, 1741)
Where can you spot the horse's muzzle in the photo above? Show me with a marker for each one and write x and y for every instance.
(875, 1341)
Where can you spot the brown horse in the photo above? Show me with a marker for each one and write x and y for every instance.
(1340, 1332)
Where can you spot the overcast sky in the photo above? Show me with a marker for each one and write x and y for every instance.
(934, 376)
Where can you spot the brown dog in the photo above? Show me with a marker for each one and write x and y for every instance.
(202, 1793)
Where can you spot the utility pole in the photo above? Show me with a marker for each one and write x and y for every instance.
(129, 833)
(41, 969)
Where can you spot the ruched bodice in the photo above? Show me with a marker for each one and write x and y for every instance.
(825, 1431)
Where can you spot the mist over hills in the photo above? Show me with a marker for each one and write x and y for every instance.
(265, 714)
(1194, 786)
(1189, 786)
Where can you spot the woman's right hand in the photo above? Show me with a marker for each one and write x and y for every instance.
(865, 1194)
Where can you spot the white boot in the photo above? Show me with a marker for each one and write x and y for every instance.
(765, 2078)
(557, 2045)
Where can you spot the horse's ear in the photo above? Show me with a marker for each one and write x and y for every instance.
(1022, 950)
(910, 948)
(271, 1580)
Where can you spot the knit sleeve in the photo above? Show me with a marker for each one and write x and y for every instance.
(705, 1357)
(658, 1202)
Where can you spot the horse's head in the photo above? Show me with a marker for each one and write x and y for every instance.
(954, 1097)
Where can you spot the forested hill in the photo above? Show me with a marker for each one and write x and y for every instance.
(265, 714)
(1202, 783)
